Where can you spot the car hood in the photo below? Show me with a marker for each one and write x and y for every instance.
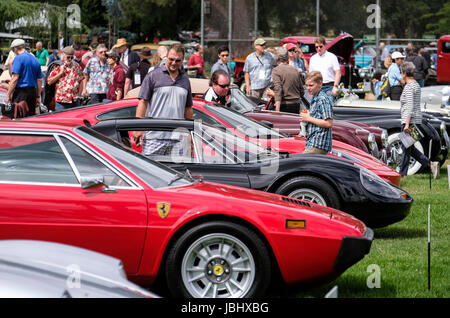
(342, 46)
(254, 202)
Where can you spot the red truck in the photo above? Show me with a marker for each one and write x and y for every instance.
(443, 59)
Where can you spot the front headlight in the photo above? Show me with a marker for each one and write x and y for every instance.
(374, 184)
(373, 145)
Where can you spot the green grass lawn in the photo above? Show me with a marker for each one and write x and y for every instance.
(400, 250)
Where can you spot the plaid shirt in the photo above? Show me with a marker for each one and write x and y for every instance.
(318, 137)
(99, 76)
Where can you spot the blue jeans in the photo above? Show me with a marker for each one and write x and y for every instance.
(61, 106)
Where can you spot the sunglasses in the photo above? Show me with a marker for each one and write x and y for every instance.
(319, 46)
(102, 52)
(224, 55)
(292, 50)
(223, 85)
(174, 60)
(69, 57)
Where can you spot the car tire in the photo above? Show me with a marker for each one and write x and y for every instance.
(395, 143)
(218, 259)
(311, 189)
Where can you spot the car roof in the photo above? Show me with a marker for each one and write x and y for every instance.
(25, 124)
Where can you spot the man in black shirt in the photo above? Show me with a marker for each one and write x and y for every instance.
(421, 66)
(137, 71)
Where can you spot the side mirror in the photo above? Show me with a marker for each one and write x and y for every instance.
(95, 180)
(91, 181)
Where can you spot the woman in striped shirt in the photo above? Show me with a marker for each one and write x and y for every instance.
(412, 115)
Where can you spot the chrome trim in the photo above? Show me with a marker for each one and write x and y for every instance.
(50, 184)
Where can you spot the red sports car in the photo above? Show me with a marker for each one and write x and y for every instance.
(90, 115)
(68, 184)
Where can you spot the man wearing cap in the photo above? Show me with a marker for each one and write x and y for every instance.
(137, 71)
(258, 69)
(96, 76)
(327, 64)
(68, 78)
(127, 57)
(396, 81)
(26, 80)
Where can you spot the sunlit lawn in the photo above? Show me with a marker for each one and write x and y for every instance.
(401, 250)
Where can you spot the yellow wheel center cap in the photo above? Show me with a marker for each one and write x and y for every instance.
(218, 270)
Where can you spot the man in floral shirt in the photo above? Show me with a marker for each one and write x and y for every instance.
(96, 76)
(67, 77)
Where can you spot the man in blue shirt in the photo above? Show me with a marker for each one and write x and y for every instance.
(26, 80)
(395, 76)
(258, 70)
(319, 117)
(222, 63)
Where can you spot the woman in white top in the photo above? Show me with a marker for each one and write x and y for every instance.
(411, 115)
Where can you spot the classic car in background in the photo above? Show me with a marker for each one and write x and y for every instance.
(37, 269)
(86, 190)
(386, 114)
(220, 156)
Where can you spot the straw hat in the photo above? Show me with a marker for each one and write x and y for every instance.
(120, 42)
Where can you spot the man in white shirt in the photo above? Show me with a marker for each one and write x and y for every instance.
(327, 64)
(219, 90)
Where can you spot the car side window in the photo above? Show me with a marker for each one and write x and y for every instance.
(173, 146)
(199, 115)
(35, 159)
(86, 165)
(446, 47)
(125, 112)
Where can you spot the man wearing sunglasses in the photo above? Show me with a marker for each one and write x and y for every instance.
(219, 91)
(222, 63)
(165, 93)
(68, 78)
(327, 64)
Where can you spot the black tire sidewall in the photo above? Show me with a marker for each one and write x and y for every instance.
(314, 183)
(245, 235)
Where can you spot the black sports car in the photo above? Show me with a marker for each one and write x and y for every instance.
(196, 148)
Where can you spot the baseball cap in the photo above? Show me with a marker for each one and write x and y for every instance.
(290, 46)
(68, 50)
(260, 41)
(17, 42)
(397, 55)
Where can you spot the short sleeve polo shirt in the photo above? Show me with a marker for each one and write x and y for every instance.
(28, 68)
(167, 98)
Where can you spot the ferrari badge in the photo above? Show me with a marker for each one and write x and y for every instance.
(163, 209)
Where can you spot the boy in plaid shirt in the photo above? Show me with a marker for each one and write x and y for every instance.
(319, 117)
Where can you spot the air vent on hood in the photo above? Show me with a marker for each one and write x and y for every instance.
(296, 201)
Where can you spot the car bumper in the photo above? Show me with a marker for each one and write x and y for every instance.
(352, 250)
(377, 213)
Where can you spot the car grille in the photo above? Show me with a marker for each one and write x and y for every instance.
(296, 201)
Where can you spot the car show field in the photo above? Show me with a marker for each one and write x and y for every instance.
(399, 252)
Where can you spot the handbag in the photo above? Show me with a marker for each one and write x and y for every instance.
(409, 139)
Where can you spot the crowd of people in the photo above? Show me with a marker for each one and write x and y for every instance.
(282, 73)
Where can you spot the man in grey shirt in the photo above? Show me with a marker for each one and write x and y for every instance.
(258, 69)
(222, 63)
(165, 93)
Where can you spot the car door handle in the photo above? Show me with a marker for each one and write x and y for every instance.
(108, 189)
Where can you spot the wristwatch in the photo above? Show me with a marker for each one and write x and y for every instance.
(336, 86)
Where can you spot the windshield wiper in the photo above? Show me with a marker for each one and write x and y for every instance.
(187, 174)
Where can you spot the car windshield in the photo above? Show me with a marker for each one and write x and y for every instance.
(244, 124)
(225, 147)
(153, 173)
(240, 102)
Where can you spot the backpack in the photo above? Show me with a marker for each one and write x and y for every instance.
(385, 90)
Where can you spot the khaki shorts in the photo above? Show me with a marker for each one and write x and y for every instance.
(316, 151)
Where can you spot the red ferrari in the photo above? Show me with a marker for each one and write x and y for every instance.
(223, 117)
(66, 183)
